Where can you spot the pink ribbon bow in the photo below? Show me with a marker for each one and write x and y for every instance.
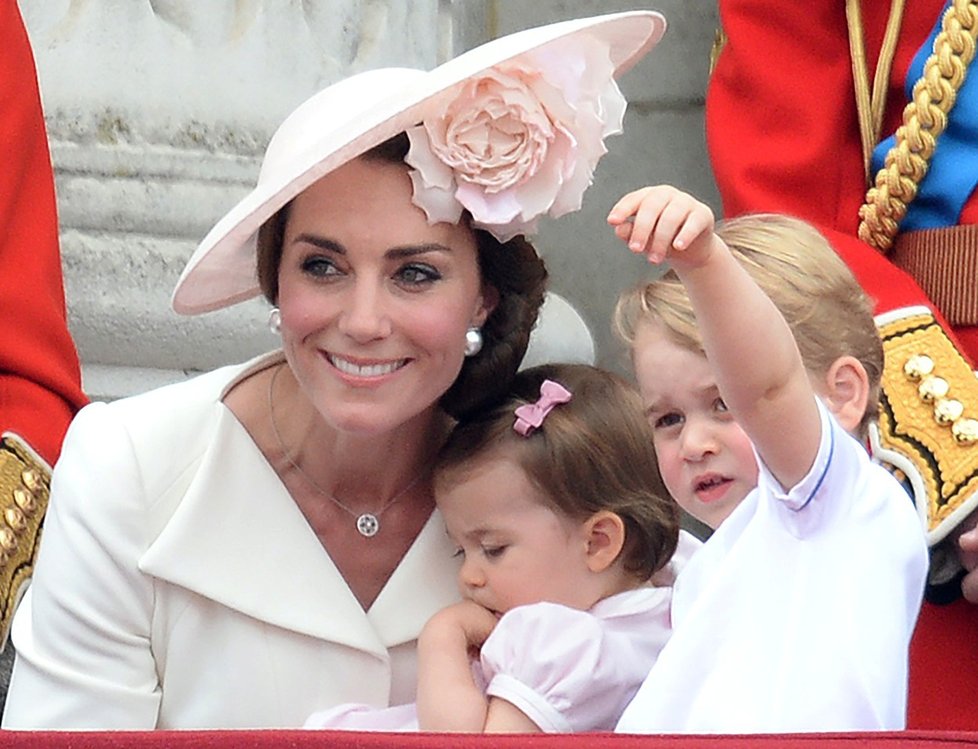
(531, 415)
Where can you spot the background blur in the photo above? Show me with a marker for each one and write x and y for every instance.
(158, 112)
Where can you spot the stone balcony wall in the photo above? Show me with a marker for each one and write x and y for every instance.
(158, 111)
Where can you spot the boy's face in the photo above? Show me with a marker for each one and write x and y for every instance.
(706, 459)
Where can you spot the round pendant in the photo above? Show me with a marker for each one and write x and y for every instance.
(368, 525)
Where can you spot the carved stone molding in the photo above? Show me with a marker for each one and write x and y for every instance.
(158, 112)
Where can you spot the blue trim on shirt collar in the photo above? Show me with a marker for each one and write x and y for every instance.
(825, 469)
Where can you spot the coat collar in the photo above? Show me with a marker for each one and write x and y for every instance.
(237, 538)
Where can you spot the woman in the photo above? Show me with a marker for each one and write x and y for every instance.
(260, 542)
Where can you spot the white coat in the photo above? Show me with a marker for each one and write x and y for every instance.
(179, 586)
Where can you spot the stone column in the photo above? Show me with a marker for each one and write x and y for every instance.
(158, 112)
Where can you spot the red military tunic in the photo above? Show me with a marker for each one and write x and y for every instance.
(40, 384)
(40, 387)
(783, 135)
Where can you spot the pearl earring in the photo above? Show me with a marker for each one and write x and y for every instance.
(473, 341)
(275, 321)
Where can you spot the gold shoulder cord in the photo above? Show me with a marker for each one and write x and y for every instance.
(25, 482)
(719, 42)
(870, 107)
(928, 425)
(924, 119)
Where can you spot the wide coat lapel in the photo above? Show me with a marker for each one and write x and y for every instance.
(237, 538)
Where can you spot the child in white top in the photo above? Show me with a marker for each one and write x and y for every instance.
(564, 533)
(796, 614)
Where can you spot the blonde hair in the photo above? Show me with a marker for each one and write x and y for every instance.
(590, 454)
(827, 311)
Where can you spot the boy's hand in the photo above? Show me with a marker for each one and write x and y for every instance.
(664, 223)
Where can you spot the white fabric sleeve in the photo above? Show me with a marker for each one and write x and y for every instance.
(82, 632)
(820, 497)
(551, 662)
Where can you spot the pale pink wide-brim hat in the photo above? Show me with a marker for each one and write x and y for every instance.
(356, 114)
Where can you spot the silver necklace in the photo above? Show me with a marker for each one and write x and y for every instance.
(367, 523)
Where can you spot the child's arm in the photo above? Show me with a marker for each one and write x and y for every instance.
(751, 350)
(448, 697)
(505, 717)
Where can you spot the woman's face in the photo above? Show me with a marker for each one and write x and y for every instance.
(375, 302)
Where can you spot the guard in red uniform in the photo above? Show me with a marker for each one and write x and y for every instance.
(807, 114)
(40, 384)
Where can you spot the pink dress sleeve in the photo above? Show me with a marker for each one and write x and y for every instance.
(360, 717)
(570, 670)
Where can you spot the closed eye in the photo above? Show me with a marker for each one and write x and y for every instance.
(493, 552)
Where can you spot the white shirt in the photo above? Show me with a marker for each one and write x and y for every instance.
(796, 615)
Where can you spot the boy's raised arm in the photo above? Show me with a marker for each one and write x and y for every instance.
(751, 350)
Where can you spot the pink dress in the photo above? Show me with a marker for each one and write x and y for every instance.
(567, 670)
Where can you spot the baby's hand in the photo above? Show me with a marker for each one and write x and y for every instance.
(663, 222)
(466, 621)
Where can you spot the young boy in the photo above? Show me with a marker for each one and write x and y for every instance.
(796, 615)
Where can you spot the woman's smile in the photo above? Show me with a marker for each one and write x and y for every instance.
(365, 369)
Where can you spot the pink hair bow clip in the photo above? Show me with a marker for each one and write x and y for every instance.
(531, 415)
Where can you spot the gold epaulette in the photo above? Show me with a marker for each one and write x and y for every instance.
(25, 482)
(928, 424)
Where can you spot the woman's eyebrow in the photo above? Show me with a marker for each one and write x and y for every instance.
(395, 252)
(321, 242)
(417, 249)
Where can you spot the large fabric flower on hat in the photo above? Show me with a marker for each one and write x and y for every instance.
(518, 141)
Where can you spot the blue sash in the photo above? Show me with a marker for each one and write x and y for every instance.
(953, 172)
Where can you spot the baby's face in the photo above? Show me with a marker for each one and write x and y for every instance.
(515, 549)
(705, 458)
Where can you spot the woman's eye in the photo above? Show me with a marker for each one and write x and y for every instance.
(417, 274)
(493, 551)
(667, 420)
(319, 266)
